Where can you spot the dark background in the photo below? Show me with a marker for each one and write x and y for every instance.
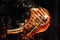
(51, 5)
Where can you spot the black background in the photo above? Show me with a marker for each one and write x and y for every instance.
(53, 30)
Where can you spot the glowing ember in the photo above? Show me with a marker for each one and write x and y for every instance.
(35, 24)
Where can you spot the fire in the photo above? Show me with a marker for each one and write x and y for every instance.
(37, 19)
